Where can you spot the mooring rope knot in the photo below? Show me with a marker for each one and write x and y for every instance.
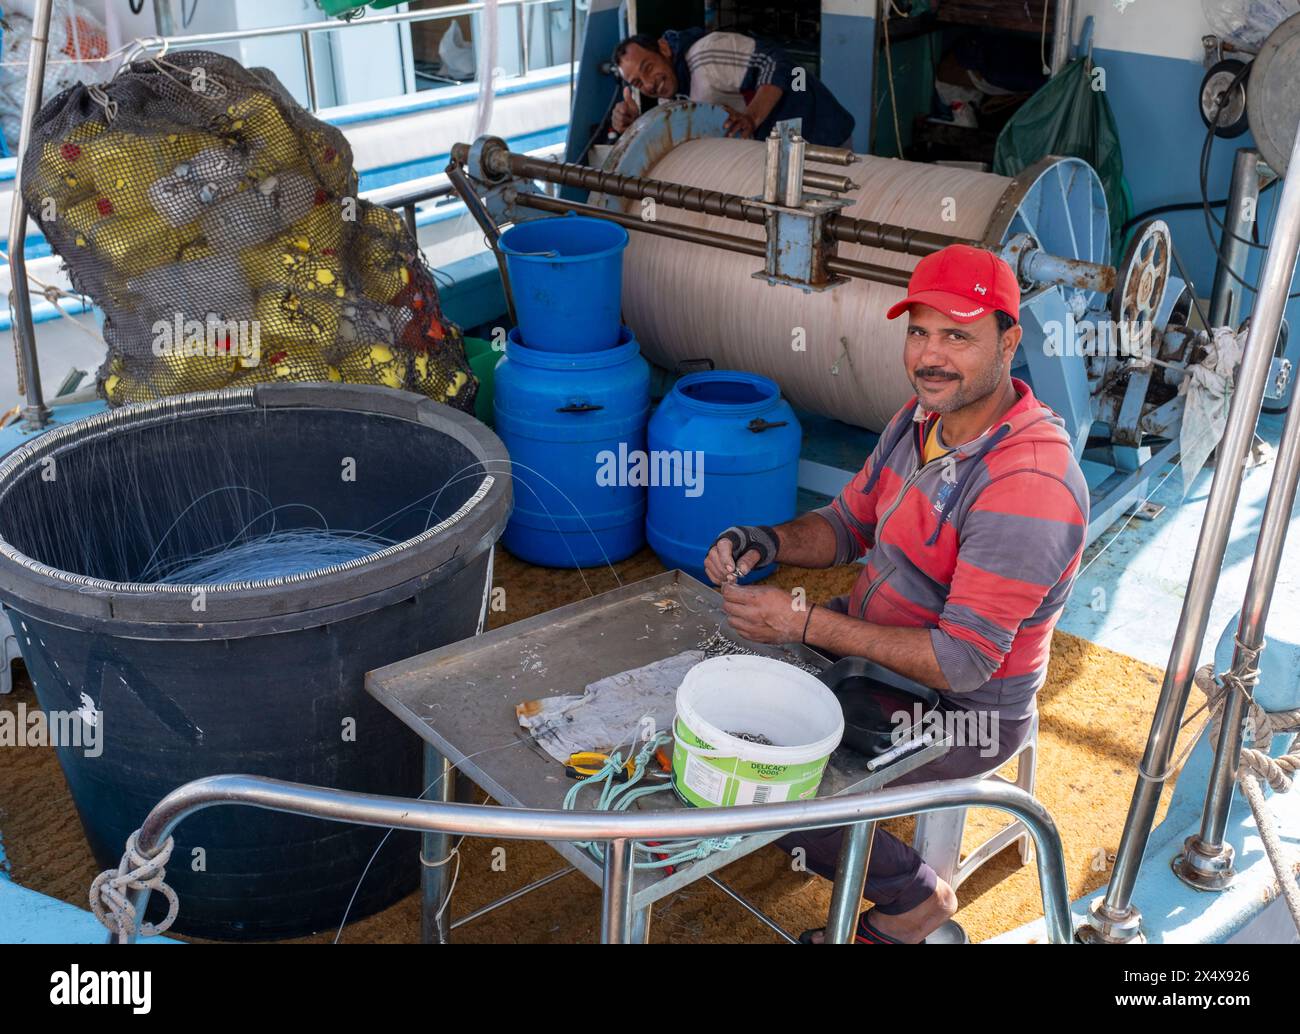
(109, 894)
(1260, 725)
(1257, 765)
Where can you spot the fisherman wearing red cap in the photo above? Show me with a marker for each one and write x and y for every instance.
(971, 514)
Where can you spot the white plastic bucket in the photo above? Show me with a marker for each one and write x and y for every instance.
(752, 695)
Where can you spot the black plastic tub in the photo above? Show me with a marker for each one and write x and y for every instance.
(262, 677)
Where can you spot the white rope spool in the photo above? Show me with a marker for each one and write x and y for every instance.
(684, 301)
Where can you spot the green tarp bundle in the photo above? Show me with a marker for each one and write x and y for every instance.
(1068, 116)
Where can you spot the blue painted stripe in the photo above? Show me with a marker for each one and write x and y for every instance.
(847, 62)
(44, 312)
(34, 246)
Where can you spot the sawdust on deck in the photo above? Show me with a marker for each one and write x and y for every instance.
(1095, 711)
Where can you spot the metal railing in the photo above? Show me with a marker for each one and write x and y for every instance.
(307, 30)
(619, 830)
(1115, 916)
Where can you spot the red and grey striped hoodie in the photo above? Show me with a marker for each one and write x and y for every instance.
(981, 546)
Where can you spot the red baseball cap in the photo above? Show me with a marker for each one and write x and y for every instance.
(963, 282)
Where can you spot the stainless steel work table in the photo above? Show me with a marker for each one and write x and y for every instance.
(460, 700)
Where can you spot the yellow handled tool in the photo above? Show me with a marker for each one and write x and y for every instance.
(588, 762)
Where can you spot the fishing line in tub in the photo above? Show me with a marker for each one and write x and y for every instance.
(227, 528)
(280, 553)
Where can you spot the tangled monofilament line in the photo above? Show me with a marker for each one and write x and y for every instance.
(278, 554)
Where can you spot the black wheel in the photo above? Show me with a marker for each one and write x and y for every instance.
(1231, 109)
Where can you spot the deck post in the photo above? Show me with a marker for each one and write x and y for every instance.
(35, 413)
(435, 855)
(1206, 862)
(617, 924)
(850, 878)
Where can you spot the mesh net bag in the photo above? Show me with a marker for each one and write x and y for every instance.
(216, 223)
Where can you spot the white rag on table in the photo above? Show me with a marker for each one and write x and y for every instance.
(611, 713)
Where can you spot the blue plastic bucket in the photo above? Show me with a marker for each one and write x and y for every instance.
(566, 275)
(740, 441)
(568, 421)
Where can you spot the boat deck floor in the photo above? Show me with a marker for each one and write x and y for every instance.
(1104, 678)
(1094, 715)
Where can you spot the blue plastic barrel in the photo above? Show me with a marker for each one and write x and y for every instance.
(736, 443)
(566, 274)
(573, 424)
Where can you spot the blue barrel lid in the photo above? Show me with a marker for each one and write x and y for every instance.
(729, 392)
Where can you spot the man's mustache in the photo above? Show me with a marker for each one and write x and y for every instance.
(934, 372)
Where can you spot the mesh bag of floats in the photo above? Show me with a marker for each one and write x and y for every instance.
(217, 225)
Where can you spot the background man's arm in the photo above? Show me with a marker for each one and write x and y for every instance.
(733, 63)
(766, 97)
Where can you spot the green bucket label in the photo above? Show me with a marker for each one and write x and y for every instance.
(723, 782)
(704, 780)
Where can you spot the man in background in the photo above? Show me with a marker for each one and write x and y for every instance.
(753, 79)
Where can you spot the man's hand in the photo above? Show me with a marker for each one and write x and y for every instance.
(739, 550)
(625, 111)
(722, 567)
(740, 124)
(763, 614)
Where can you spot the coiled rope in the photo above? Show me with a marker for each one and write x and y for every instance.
(109, 893)
(1256, 765)
(619, 797)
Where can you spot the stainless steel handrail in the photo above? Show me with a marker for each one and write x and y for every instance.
(620, 829)
(35, 414)
(1114, 917)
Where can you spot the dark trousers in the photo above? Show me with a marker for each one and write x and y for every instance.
(898, 880)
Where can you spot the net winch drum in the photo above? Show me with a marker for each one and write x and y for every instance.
(833, 352)
(262, 676)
